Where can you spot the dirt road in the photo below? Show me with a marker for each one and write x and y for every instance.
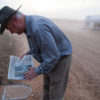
(84, 79)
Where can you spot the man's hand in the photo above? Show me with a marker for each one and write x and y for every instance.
(24, 55)
(30, 74)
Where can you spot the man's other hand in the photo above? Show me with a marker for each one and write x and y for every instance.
(30, 74)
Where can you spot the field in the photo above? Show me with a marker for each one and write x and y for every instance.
(84, 78)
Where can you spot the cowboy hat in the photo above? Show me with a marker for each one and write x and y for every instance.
(5, 15)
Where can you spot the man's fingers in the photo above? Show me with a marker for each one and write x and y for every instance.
(30, 74)
(27, 75)
(27, 78)
(21, 57)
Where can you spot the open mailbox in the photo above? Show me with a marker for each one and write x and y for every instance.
(16, 92)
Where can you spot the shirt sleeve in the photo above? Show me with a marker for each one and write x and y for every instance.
(48, 50)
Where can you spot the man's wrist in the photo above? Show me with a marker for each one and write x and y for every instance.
(38, 70)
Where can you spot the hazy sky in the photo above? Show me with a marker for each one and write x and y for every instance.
(68, 9)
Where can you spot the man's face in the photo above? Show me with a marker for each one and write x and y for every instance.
(15, 25)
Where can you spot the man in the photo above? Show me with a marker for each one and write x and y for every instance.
(48, 45)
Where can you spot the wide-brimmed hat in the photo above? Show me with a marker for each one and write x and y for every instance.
(5, 15)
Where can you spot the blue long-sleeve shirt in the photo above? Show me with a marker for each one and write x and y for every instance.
(46, 41)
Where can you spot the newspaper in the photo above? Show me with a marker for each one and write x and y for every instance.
(17, 67)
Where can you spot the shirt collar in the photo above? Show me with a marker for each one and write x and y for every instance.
(28, 33)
